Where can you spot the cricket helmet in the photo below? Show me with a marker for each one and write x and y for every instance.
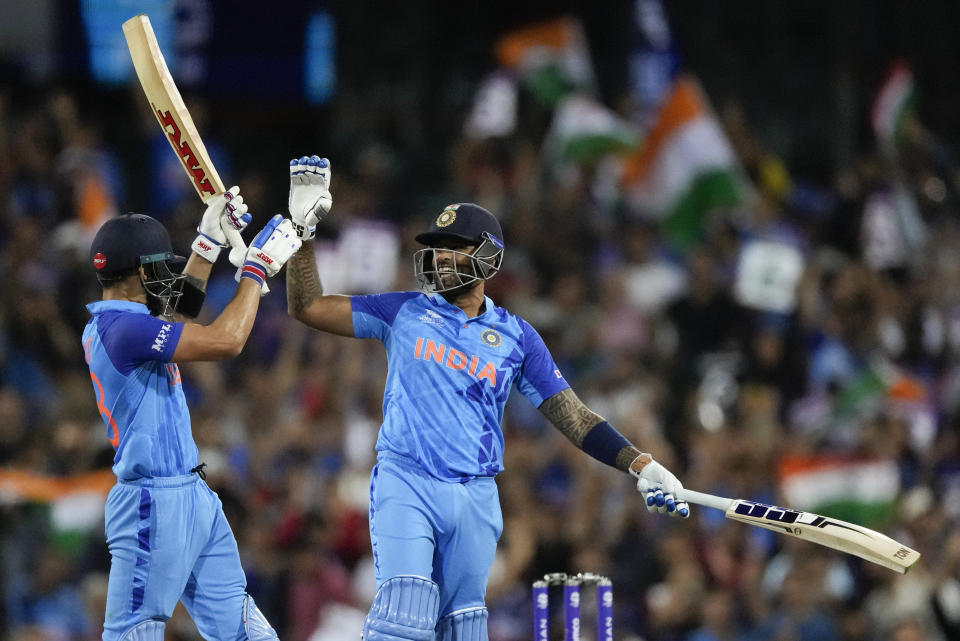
(124, 244)
(459, 225)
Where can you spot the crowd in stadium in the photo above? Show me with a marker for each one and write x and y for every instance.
(860, 365)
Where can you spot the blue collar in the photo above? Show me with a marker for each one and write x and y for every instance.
(102, 306)
(440, 301)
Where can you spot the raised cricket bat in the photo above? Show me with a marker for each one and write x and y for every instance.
(832, 533)
(174, 119)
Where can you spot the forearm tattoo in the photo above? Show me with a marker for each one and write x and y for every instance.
(303, 281)
(569, 415)
(574, 419)
(626, 456)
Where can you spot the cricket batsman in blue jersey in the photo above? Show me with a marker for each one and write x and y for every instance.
(453, 357)
(167, 534)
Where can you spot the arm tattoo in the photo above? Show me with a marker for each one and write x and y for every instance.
(626, 456)
(303, 281)
(569, 415)
(574, 419)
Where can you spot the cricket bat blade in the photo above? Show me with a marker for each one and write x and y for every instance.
(827, 531)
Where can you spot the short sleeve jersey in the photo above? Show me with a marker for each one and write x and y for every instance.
(138, 390)
(449, 377)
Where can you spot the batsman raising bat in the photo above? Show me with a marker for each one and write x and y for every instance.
(168, 537)
(453, 356)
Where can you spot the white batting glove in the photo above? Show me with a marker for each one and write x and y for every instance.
(268, 252)
(224, 213)
(310, 198)
(659, 486)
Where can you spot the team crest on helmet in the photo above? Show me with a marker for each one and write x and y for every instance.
(447, 216)
(99, 261)
(491, 338)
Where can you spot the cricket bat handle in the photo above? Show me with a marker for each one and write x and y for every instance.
(701, 498)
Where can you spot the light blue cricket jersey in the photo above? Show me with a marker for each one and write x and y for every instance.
(449, 377)
(138, 390)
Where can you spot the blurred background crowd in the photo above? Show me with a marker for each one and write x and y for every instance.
(735, 224)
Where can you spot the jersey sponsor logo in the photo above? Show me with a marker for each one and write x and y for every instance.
(428, 350)
(162, 337)
(491, 338)
(431, 318)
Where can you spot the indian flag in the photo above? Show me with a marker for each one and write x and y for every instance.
(861, 491)
(686, 168)
(584, 129)
(551, 58)
(76, 503)
(893, 105)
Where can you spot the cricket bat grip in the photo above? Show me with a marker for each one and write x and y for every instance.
(701, 498)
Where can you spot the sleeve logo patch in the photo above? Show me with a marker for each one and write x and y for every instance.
(162, 337)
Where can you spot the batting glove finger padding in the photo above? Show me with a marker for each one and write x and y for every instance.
(211, 237)
(235, 214)
(659, 487)
(271, 248)
(309, 199)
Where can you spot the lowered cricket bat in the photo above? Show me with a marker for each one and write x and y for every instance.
(174, 119)
(832, 533)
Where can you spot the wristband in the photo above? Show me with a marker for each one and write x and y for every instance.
(254, 272)
(191, 297)
(603, 442)
(206, 247)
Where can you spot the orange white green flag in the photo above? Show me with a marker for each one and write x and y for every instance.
(858, 490)
(893, 106)
(686, 167)
(550, 58)
(583, 129)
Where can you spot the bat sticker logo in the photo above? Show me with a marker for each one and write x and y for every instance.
(183, 150)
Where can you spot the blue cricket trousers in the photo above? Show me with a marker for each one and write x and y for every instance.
(169, 540)
(443, 531)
